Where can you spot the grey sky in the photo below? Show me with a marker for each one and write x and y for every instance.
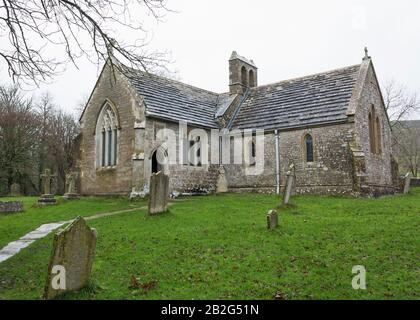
(286, 39)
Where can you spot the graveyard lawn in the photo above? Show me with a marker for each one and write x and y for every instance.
(218, 247)
(15, 225)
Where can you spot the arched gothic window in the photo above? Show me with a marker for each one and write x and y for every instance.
(372, 130)
(309, 148)
(251, 79)
(244, 77)
(378, 136)
(107, 137)
(375, 134)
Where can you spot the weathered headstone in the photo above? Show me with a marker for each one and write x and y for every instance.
(71, 179)
(11, 207)
(15, 190)
(272, 220)
(407, 183)
(159, 193)
(290, 184)
(47, 198)
(415, 182)
(222, 184)
(71, 259)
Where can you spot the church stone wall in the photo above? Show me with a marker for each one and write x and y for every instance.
(117, 180)
(378, 166)
(240, 179)
(182, 178)
(330, 173)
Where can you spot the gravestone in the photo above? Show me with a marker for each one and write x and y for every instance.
(71, 179)
(15, 190)
(272, 220)
(407, 183)
(71, 259)
(11, 207)
(222, 184)
(415, 182)
(159, 193)
(47, 198)
(290, 184)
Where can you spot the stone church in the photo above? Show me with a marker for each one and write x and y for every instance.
(331, 128)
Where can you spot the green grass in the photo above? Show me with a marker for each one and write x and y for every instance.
(13, 226)
(218, 247)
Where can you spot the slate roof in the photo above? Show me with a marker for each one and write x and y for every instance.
(175, 101)
(309, 100)
(315, 99)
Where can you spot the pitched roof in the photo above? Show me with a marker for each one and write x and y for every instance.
(300, 102)
(175, 101)
(311, 100)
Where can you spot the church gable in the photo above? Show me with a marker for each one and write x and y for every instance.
(107, 131)
(372, 129)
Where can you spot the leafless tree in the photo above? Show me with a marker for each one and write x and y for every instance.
(407, 146)
(399, 102)
(34, 135)
(28, 29)
(18, 131)
(401, 105)
(57, 133)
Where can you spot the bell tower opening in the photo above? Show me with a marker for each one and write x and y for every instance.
(242, 74)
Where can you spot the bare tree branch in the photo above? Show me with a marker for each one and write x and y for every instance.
(399, 102)
(30, 28)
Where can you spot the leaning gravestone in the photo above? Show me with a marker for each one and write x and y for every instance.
(159, 193)
(71, 193)
(407, 183)
(47, 198)
(15, 190)
(290, 183)
(71, 259)
(272, 220)
(11, 207)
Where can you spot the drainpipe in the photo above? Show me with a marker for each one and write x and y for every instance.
(276, 133)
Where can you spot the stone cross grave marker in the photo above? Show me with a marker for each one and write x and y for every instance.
(290, 183)
(222, 184)
(272, 220)
(407, 183)
(71, 179)
(71, 259)
(47, 197)
(15, 190)
(159, 193)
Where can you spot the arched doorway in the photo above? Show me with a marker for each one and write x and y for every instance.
(156, 166)
(159, 160)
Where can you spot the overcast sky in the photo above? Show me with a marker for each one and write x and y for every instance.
(285, 39)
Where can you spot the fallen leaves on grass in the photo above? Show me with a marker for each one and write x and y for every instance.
(279, 296)
(136, 284)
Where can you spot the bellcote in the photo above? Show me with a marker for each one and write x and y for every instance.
(242, 74)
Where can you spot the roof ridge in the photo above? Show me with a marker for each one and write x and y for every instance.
(307, 76)
(173, 80)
